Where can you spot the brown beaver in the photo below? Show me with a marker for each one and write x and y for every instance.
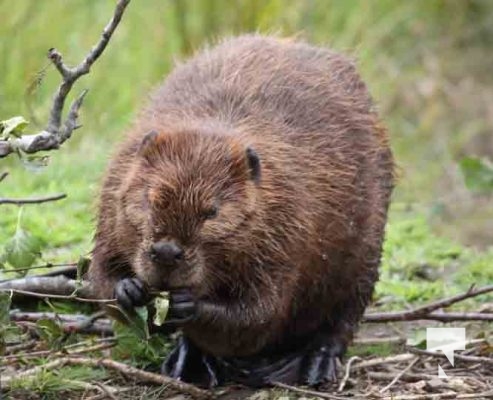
(254, 187)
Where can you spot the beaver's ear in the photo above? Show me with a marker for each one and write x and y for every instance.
(148, 140)
(253, 164)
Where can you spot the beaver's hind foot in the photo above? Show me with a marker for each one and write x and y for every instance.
(188, 364)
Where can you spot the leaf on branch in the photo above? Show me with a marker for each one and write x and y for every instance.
(34, 163)
(23, 249)
(12, 127)
(478, 174)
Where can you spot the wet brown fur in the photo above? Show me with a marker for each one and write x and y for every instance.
(297, 251)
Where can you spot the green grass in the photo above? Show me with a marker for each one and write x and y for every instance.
(51, 383)
(426, 64)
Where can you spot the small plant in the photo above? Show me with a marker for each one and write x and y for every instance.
(478, 174)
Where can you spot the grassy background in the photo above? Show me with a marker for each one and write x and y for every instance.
(428, 66)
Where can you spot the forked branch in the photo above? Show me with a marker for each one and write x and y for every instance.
(54, 135)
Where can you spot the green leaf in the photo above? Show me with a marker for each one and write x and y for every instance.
(478, 174)
(23, 249)
(161, 304)
(142, 352)
(82, 267)
(34, 163)
(136, 320)
(417, 339)
(50, 331)
(12, 127)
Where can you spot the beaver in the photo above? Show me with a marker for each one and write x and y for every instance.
(254, 187)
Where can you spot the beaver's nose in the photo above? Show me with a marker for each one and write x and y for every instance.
(167, 253)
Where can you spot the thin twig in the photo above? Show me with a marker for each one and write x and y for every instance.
(140, 375)
(426, 311)
(98, 345)
(474, 359)
(364, 341)
(62, 271)
(33, 200)
(440, 396)
(60, 297)
(347, 373)
(69, 323)
(20, 347)
(3, 175)
(399, 375)
(55, 134)
(308, 392)
(383, 360)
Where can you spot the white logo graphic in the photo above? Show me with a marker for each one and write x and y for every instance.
(447, 340)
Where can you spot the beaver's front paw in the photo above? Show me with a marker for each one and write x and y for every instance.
(131, 292)
(182, 307)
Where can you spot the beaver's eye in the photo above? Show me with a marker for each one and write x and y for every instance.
(210, 213)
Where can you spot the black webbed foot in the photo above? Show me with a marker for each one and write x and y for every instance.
(260, 372)
(182, 307)
(320, 365)
(314, 364)
(131, 292)
(188, 364)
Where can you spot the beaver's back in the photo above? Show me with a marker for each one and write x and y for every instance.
(256, 79)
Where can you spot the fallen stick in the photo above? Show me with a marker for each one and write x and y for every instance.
(440, 396)
(309, 392)
(399, 375)
(347, 373)
(65, 352)
(70, 323)
(426, 311)
(138, 374)
(474, 359)
(69, 270)
(47, 286)
(383, 360)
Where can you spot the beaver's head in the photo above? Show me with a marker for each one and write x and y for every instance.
(197, 195)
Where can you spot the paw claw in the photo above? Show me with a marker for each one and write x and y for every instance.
(182, 307)
(187, 363)
(321, 364)
(131, 292)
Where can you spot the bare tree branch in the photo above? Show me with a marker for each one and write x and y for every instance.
(70, 323)
(473, 359)
(427, 311)
(34, 200)
(57, 287)
(55, 134)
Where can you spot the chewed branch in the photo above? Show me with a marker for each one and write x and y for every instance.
(55, 134)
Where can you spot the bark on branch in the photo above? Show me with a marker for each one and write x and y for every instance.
(33, 200)
(428, 311)
(55, 134)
